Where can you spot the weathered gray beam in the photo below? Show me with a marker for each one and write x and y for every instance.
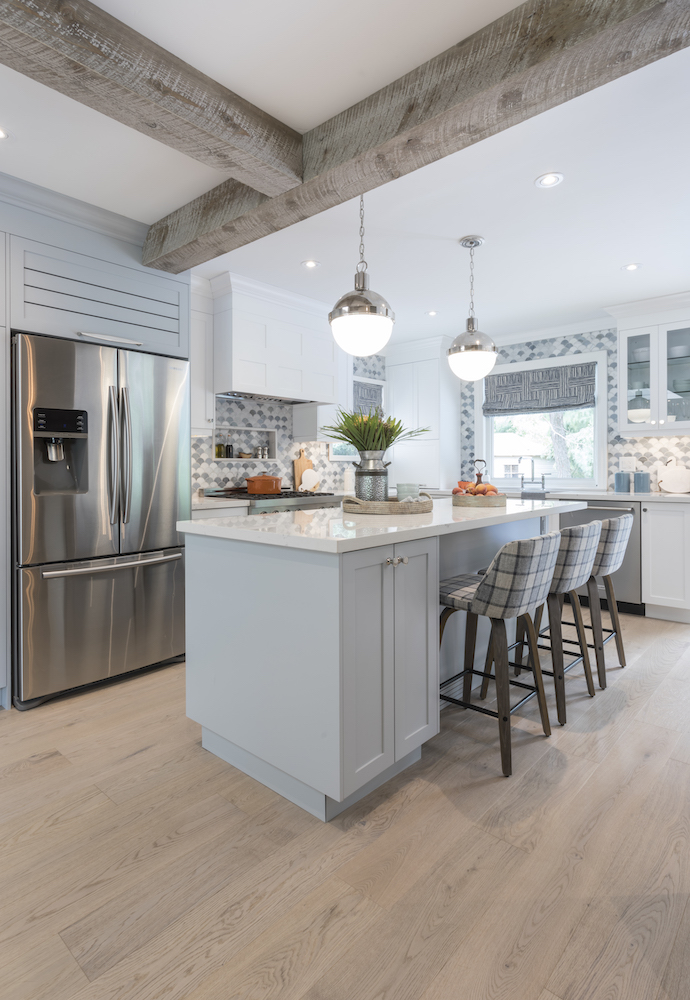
(76, 48)
(532, 59)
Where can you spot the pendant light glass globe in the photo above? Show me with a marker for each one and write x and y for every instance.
(472, 354)
(361, 320)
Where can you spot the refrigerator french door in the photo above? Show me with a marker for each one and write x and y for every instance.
(101, 475)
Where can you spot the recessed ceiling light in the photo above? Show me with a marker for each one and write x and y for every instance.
(549, 180)
(631, 267)
(432, 312)
(4, 134)
(311, 264)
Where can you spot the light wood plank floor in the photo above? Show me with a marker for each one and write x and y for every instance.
(136, 866)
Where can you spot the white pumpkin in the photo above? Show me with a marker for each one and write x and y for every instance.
(674, 479)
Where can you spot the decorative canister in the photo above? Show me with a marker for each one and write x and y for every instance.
(371, 476)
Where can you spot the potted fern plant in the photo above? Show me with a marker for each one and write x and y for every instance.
(371, 434)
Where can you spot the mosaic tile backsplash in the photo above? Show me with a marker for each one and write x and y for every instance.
(650, 453)
(211, 473)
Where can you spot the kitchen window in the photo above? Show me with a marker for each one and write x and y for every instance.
(544, 421)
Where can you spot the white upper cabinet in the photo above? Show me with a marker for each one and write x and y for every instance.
(202, 399)
(423, 392)
(67, 294)
(309, 418)
(269, 342)
(654, 384)
(654, 366)
(3, 286)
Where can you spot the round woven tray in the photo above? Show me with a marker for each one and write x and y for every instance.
(467, 500)
(353, 505)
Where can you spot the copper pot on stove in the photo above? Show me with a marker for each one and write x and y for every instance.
(263, 484)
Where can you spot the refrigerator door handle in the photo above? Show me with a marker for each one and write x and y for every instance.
(114, 456)
(126, 456)
(53, 574)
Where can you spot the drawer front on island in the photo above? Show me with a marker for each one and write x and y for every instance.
(390, 656)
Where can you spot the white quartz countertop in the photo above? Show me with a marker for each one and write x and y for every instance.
(328, 530)
(208, 503)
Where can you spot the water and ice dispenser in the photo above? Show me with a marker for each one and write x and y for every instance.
(61, 462)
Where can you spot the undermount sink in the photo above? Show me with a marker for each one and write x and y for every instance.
(533, 494)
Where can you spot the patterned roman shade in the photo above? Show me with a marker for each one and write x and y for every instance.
(567, 387)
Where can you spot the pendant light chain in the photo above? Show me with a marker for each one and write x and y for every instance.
(362, 266)
(472, 282)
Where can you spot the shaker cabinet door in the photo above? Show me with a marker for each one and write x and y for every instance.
(666, 554)
(368, 665)
(417, 703)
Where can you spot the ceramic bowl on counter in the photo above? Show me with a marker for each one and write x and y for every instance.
(405, 490)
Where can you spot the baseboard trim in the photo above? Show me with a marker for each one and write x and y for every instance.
(681, 615)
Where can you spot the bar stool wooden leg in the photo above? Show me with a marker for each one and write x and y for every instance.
(520, 639)
(538, 679)
(470, 643)
(582, 639)
(445, 615)
(595, 616)
(615, 620)
(538, 614)
(556, 634)
(499, 641)
(487, 668)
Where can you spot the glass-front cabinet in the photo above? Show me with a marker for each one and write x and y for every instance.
(654, 380)
(674, 351)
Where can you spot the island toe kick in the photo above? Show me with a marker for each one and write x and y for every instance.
(312, 801)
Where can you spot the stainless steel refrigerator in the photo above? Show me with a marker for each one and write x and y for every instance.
(101, 473)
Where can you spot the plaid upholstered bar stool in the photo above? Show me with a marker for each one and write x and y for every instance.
(516, 582)
(615, 533)
(576, 554)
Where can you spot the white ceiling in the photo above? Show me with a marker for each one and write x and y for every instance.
(551, 257)
(304, 61)
(67, 147)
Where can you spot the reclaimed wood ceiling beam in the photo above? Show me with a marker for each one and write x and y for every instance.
(76, 48)
(540, 55)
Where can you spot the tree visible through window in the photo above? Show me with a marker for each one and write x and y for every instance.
(559, 444)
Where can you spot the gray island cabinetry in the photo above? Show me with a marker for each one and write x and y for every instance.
(312, 638)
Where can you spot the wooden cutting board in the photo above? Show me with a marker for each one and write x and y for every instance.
(299, 465)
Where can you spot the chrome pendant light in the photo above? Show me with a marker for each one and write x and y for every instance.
(472, 354)
(361, 321)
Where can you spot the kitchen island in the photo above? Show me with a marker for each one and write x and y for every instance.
(312, 637)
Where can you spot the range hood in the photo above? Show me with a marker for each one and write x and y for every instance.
(283, 400)
(270, 344)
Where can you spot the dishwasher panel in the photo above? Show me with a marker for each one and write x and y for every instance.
(627, 581)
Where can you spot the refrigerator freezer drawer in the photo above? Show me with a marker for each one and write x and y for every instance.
(83, 622)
